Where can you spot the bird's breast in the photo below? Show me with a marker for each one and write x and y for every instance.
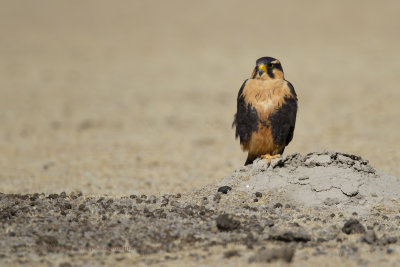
(265, 97)
(264, 105)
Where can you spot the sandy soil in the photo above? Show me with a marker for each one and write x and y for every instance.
(284, 220)
(134, 97)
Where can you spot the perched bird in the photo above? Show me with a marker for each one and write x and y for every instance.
(266, 111)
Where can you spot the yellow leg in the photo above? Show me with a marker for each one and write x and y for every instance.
(269, 157)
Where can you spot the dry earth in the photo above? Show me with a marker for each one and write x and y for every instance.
(293, 218)
(135, 97)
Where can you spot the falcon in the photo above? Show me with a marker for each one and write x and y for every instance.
(266, 111)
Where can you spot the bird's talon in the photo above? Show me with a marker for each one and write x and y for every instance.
(269, 157)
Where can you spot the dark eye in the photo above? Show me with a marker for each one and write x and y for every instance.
(270, 65)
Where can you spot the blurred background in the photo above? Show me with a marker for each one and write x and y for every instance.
(122, 97)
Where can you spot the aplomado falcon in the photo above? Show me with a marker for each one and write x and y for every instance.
(266, 111)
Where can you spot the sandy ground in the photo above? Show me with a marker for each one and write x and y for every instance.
(294, 218)
(132, 97)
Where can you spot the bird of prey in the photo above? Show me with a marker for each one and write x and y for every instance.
(266, 111)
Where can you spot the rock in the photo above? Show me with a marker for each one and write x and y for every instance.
(53, 196)
(174, 203)
(225, 222)
(47, 240)
(298, 235)
(217, 197)
(385, 240)
(153, 199)
(67, 206)
(267, 223)
(269, 255)
(224, 189)
(353, 226)
(369, 237)
(231, 253)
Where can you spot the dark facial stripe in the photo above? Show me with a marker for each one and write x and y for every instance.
(254, 73)
(270, 73)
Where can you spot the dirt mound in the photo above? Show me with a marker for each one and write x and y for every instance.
(321, 179)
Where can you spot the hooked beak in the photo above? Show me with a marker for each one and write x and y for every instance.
(261, 69)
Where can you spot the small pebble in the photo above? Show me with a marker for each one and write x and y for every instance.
(225, 222)
(53, 196)
(224, 189)
(353, 226)
(369, 237)
(269, 255)
(231, 253)
(217, 197)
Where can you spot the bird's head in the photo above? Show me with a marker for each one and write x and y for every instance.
(267, 68)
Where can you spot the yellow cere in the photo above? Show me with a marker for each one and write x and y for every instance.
(262, 67)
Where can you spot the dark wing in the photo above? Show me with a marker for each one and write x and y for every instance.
(246, 118)
(283, 120)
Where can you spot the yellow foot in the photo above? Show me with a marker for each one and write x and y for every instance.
(269, 157)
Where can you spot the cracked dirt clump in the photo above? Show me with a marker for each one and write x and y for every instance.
(325, 179)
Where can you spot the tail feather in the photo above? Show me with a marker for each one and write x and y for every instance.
(250, 159)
